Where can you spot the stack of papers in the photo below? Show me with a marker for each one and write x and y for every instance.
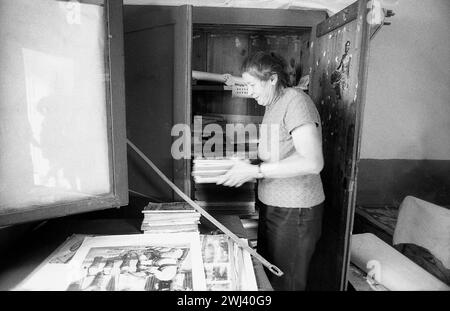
(209, 170)
(169, 218)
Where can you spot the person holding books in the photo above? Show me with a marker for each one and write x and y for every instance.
(290, 192)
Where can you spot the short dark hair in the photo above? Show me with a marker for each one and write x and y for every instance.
(264, 64)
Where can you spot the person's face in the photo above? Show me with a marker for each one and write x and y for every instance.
(262, 91)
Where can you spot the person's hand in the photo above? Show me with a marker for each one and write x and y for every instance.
(240, 173)
(228, 79)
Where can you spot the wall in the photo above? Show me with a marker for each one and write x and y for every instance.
(405, 142)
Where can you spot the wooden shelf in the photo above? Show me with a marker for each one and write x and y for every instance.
(211, 88)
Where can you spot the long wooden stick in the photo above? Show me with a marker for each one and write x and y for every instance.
(272, 268)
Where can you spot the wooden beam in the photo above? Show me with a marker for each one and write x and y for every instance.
(252, 16)
(338, 20)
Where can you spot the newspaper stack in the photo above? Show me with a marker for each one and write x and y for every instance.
(170, 218)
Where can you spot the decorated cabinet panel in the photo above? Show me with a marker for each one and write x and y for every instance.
(338, 74)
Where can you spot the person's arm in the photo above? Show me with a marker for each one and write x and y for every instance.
(308, 159)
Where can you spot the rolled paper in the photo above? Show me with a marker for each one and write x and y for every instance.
(207, 76)
(389, 267)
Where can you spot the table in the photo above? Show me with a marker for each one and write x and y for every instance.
(20, 261)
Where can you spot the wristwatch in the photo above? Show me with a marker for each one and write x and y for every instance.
(260, 174)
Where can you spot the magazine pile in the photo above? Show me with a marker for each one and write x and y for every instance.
(169, 218)
(184, 261)
(208, 171)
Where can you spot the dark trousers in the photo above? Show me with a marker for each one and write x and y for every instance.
(287, 238)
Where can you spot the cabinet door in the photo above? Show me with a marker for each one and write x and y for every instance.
(338, 80)
(62, 108)
(158, 87)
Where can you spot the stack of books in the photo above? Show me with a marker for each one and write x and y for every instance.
(170, 218)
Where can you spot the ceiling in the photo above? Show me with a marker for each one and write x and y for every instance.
(332, 6)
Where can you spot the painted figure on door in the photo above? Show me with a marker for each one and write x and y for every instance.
(340, 77)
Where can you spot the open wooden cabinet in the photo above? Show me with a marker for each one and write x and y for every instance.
(164, 44)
